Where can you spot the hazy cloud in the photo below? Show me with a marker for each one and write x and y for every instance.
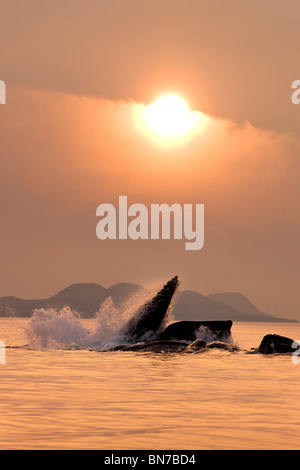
(63, 154)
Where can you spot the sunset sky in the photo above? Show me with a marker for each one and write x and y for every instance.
(79, 77)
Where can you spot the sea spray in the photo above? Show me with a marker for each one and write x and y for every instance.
(64, 329)
(49, 328)
(109, 321)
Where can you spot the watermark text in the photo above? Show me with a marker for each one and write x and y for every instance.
(134, 222)
(2, 92)
(2, 353)
(296, 94)
(295, 358)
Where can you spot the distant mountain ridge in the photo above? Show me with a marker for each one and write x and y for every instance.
(86, 298)
(239, 302)
(220, 307)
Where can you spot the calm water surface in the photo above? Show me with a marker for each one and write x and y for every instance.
(81, 399)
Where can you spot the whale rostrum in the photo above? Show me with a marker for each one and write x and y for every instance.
(150, 316)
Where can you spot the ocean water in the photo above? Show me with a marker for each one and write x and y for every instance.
(58, 391)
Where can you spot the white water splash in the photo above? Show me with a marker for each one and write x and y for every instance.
(50, 328)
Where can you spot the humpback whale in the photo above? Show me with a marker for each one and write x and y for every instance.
(150, 318)
(144, 332)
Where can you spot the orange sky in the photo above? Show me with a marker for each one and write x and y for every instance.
(69, 142)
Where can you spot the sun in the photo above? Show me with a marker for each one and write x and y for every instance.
(169, 116)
